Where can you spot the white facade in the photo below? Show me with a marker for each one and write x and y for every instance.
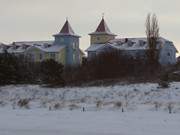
(136, 47)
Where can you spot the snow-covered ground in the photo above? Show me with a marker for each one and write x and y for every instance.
(92, 98)
(59, 111)
(43, 122)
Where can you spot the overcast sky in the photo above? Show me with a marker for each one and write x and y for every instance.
(26, 20)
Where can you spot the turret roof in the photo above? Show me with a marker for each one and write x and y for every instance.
(102, 29)
(67, 30)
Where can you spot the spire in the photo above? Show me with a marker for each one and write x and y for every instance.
(67, 30)
(102, 15)
(102, 28)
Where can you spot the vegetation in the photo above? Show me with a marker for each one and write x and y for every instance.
(51, 73)
(23, 103)
(106, 67)
(19, 70)
(152, 33)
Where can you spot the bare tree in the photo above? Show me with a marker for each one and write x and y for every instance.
(152, 30)
(152, 33)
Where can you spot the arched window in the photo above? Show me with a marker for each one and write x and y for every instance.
(168, 54)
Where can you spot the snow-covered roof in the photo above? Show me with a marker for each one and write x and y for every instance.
(21, 47)
(102, 29)
(1, 49)
(129, 44)
(94, 47)
(52, 48)
(32, 43)
(46, 46)
(67, 30)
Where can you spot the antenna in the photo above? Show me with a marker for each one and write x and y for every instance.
(102, 15)
(66, 18)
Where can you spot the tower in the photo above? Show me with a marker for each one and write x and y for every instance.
(102, 34)
(67, 37)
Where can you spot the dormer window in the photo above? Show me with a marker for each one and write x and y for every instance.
(46, 45)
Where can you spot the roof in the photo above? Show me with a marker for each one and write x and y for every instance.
(53, 48)
(102, 29)
(67, 30)
(94, 47)
(22, 46)
(32, 43)
(1, 48)
(129, 44)
(81, 51)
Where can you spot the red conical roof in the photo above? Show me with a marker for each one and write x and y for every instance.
(67, 30)
(102, 29)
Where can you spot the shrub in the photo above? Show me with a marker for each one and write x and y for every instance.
(17, 69)
(164, 80)
(57, 106)
(163, 84)
(157, 105)
(23, 103)
(118, 104)
(51, 73)
(170, 107)
(73, 106)
(2, 103)
(99, 104)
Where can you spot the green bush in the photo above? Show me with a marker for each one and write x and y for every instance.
(51, 73)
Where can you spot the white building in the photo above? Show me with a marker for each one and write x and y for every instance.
(104, 40)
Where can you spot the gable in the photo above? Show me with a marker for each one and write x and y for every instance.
(34, 50)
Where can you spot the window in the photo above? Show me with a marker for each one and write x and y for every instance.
(98, 38)
(40, 56)
(62, 39)
(92, 54)
(53, 56)
(74, 46)
(32, 57)
(168, 54)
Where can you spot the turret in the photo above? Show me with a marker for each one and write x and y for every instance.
(102, 34)
(67, 37)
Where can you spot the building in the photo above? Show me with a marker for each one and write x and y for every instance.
(64, 49)
(65, 46)
(103, 40)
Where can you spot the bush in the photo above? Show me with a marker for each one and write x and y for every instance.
(73, 106)
(157, 105)
(164, 80)
(99, 104)
(118, 104)
(170, 107)
(2, 103)
(17, 70)
(23, 103)
(58, 106)
(51, 73)
(163, 84)
(113, 65)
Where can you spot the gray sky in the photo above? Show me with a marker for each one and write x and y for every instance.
(26, 20)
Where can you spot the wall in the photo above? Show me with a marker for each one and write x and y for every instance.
(100, 39)
(167, 54)
(72, 48)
